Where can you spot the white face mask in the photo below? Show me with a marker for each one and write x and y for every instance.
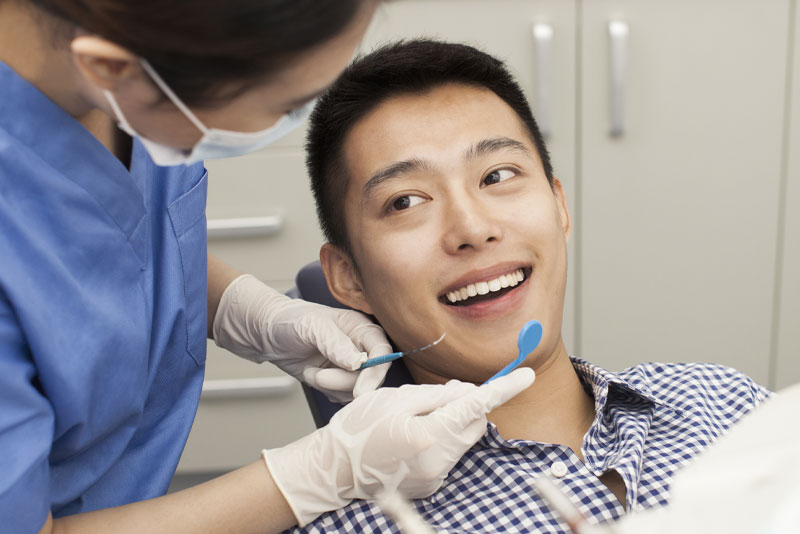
(214, 143)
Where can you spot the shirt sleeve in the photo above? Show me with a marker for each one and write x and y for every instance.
(26, 432)
(760, 393)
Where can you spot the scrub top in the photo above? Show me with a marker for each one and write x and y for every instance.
(102, 314)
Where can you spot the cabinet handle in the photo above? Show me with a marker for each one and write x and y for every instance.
(245, 226)
(543, 37)
(618, 31)
(235, 388)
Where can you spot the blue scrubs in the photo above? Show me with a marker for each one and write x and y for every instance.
(102, 314)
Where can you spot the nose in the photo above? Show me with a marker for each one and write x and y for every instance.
(470, 225)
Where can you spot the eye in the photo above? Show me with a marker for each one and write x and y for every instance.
(404, 202)
(498, 175)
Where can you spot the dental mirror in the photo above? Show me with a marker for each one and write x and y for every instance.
(527, 341)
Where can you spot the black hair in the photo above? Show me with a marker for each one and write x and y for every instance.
(405, 67)
(200, 47)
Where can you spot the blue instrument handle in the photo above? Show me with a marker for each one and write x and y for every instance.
(507, 369)
(381, 359)
(528, 340)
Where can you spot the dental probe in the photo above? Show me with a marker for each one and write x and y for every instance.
(395, 355)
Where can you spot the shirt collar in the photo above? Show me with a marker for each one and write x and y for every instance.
(600, 381)
(63, 144)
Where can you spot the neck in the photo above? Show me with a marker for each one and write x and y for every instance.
(555, 409)
(36, 46)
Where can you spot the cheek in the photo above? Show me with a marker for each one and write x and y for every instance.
(392, 272)
(396, 276)
(538, 220)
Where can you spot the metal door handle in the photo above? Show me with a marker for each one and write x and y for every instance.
(245, 226)
(543, 37)
(234, 388)
(618, 32)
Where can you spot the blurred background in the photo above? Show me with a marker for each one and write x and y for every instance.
(675, 128)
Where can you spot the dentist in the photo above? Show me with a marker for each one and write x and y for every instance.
(107, 295)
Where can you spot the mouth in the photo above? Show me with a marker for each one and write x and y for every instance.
(486, 290)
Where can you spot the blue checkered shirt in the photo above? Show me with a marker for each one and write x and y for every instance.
(650, 420)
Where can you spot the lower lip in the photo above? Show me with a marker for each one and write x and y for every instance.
(494, 308)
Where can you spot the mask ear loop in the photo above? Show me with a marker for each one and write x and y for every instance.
(172, 96)
(118, 112)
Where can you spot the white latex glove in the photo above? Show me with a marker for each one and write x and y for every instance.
(404, 439)
(318, 345)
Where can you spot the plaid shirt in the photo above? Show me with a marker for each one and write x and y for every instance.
(650, 420)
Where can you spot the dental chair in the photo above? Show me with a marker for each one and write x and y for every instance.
(310, 285)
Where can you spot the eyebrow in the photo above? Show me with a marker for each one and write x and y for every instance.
(495, 144)
(416, 164)
(393, 171)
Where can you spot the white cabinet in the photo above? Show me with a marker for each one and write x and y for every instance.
(678, 216)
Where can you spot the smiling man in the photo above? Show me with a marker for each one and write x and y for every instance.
(437, 196)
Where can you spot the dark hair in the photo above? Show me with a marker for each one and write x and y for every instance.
(405, 67)
(200, 47)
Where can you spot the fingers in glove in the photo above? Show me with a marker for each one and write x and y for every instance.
(336, 384)
(334, 343)
(435, 462)
(475, 405)
(366, 335)
(370, 379)
(424, 399)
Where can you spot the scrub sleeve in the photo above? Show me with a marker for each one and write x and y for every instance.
(102, 315)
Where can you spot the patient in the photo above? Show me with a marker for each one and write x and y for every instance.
(442, 214)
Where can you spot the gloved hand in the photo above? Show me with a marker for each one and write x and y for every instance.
(316, 344)
(404, 439)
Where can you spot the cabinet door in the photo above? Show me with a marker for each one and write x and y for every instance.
(787, 368)
(678, 214)
(504, 28)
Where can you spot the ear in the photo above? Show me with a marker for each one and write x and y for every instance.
(343, 280)
(563, 209)
(105, 64)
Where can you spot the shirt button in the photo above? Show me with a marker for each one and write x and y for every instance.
(558, 469)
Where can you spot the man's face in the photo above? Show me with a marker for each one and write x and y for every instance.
(448, 198)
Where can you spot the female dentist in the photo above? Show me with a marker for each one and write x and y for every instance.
(107, 108)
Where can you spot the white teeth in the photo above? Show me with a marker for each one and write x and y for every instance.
(482, 288)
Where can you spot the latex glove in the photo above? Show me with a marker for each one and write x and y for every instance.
(319, 345)
(405, 439)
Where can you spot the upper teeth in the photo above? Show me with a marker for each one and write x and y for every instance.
(482, 288)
